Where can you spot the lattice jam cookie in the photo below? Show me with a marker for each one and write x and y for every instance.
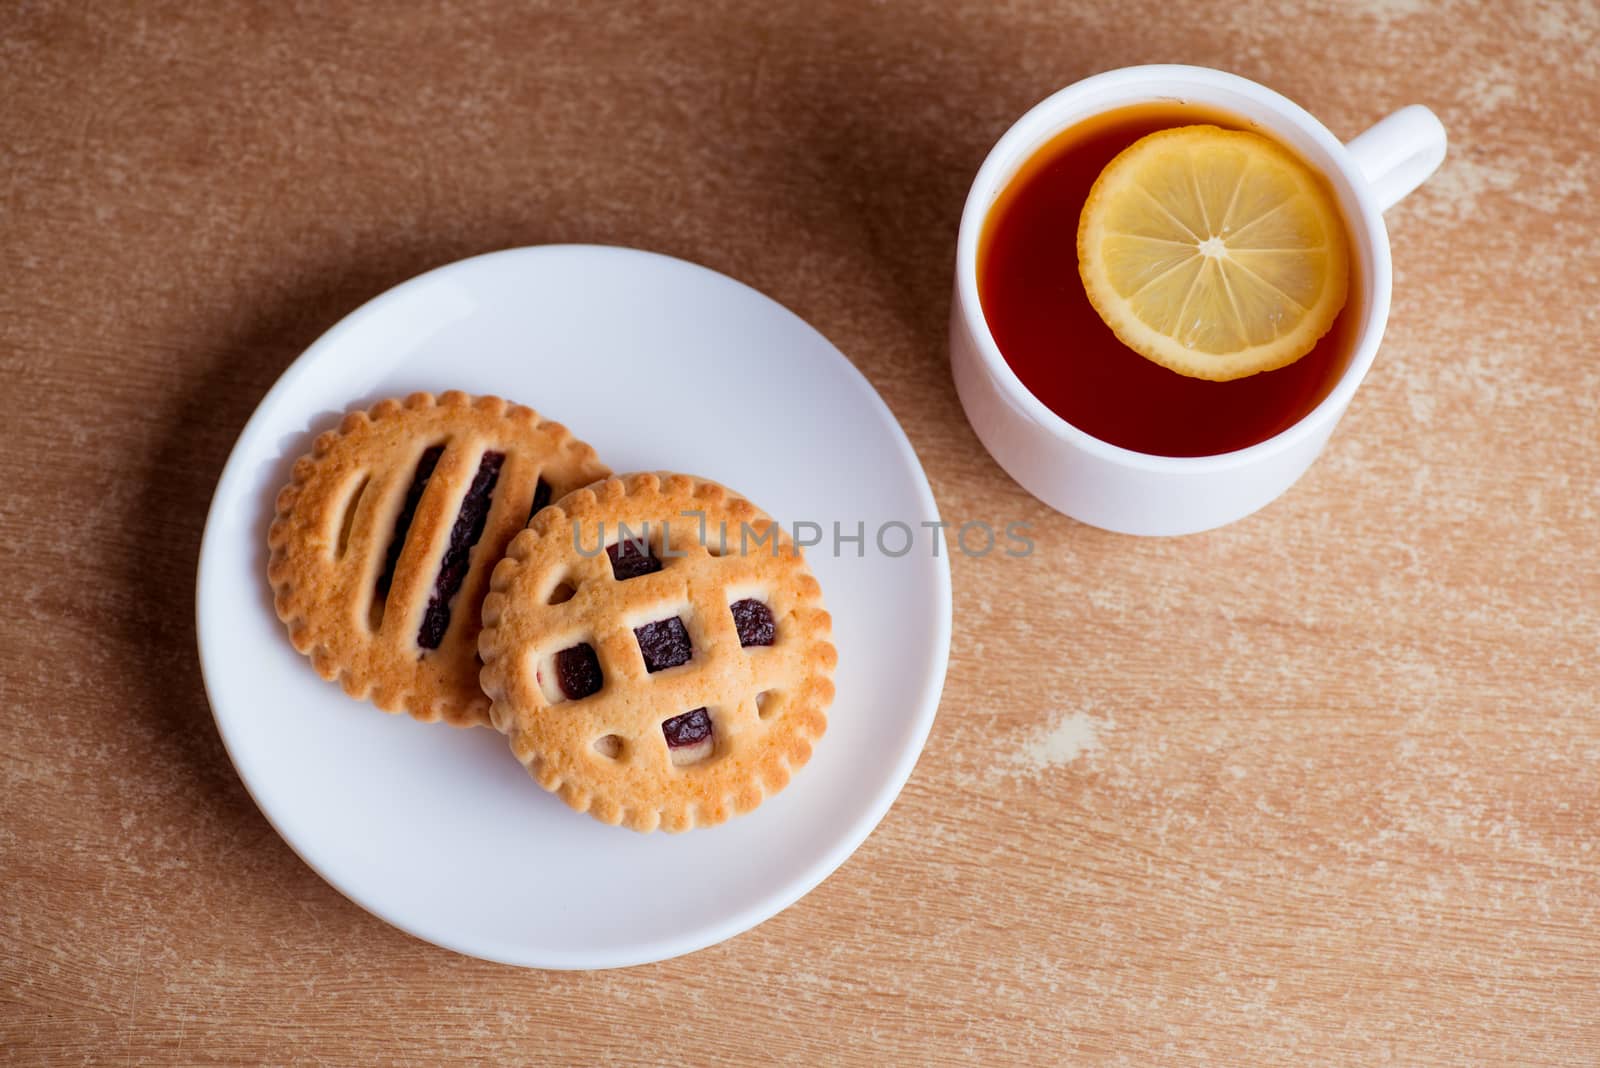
(658, 652)
(386, 534)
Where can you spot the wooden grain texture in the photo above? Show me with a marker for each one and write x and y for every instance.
(1318, 788)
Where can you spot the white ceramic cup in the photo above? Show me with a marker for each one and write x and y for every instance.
(1133, 492)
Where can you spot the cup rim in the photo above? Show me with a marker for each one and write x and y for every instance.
(1165, 79)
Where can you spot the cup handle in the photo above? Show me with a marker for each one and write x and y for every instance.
(1397, 153)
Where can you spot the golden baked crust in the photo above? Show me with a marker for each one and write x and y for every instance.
(331, 542)
(606, 753)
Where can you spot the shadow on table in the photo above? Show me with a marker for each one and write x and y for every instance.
(888, 133)
(895, 125)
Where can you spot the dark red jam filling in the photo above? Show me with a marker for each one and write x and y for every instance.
(541, 497)
(691, 728)
(664, 643)
(630, 559)
(578, 671)
(408, 512)
(468, 528)
(754, 621)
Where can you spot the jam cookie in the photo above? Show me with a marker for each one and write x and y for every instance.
(386, 534)
(657, 652)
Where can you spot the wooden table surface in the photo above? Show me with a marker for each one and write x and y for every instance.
(1320, 787)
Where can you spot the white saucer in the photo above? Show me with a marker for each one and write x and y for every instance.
(660, 365)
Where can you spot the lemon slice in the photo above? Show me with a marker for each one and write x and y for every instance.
(1213, 252)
